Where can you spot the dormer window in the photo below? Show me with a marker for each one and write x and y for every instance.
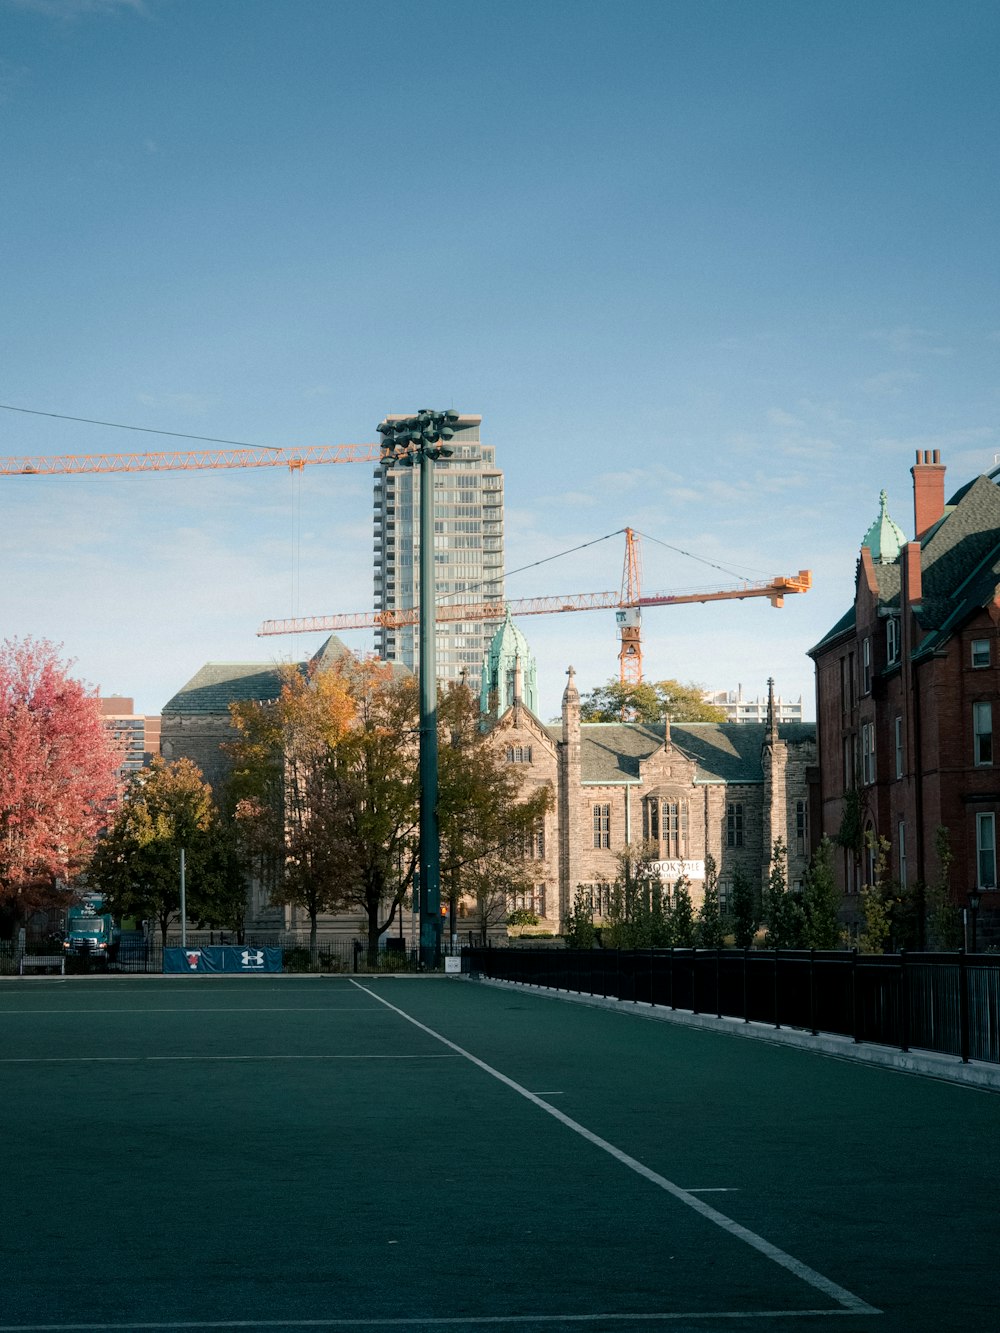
(980, 652)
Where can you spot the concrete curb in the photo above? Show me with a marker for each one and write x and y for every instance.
(928, 1064)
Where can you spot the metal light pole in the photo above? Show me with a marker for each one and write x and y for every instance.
(407, 441)
(974, 901)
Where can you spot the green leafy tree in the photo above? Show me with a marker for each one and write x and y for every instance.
(746, 917)
(136, 864)
(579, 926)
(638, 918)
(682, 923)
(944, 918)
(782, 911)
(648, 702)
(821, 901)
(711, 933)
(876, 900)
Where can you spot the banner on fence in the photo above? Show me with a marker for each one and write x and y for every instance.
(222, 958)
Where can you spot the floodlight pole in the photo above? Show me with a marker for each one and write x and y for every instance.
(410, 440)
(430, 840)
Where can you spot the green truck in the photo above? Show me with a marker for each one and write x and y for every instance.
(89, 931)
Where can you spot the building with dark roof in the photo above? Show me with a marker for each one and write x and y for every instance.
(729, 789)
(721, 788)
(907, 686)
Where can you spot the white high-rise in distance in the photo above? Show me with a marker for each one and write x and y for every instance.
(468, 551)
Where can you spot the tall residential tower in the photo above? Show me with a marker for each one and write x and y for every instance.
(468, 551)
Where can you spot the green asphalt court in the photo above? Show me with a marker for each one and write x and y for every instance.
(436, 1153)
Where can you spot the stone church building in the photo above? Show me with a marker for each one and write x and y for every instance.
(729, 789)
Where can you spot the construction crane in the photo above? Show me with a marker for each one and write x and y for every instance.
(183, 460)
(627, 605)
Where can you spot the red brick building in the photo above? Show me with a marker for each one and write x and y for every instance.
(907, 693)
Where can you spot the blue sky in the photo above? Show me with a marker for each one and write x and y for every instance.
(712, 269)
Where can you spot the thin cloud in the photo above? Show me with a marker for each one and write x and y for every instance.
(76, 9)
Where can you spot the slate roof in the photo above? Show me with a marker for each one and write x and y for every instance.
(722, 751)
(959, 564)
(218, 684)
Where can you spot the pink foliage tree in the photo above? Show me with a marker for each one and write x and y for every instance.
(57, 773)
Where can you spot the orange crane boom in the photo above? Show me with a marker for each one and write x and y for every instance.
(185, 460)
(775, 591)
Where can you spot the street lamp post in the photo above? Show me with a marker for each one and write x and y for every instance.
(408, 441)
(974, 900)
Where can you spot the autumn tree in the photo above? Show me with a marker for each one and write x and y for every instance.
(294, 773)
(649, 702)
(490, 825)
(136, 865)
(57, 774)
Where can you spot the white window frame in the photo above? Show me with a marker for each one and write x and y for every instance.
(867, 753)
(986, 851)
(980, 649)
(866, 666)
(982, 734)
(892, 640)
(901, 837)
(898, 735)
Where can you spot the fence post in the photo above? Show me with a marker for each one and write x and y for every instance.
(694, 982)
(746, 1007)
(963, 1006)
(777, 1016)
(718, 988)
(904, 1002)
(812, 993)
(854, 996)
(672, 1005)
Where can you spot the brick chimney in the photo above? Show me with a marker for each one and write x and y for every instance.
(928, 490)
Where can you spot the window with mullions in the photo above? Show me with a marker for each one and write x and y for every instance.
(518, 754)
(734, 824)
(801, 827)
(665, 824)
(980, 653)
(602, 825)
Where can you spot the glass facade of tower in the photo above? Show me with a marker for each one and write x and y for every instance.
(468, 552)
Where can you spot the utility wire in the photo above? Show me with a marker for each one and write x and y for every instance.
(508, 573)
(691, 556)
(146, 430)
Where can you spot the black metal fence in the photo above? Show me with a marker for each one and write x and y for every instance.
(944, 1002)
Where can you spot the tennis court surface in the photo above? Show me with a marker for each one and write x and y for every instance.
(289, 1153)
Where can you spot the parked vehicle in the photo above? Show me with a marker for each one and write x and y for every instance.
(89, 931)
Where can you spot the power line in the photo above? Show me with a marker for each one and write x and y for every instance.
(145, 430)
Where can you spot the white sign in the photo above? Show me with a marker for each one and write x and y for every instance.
(452, 964)
(672, 870)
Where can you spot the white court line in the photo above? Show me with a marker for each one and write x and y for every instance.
(851, 1303)
(417, 1321)
(209, 1009)
(175, 1059)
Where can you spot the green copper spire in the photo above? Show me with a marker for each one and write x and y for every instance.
(884, 538)
(509, 668)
